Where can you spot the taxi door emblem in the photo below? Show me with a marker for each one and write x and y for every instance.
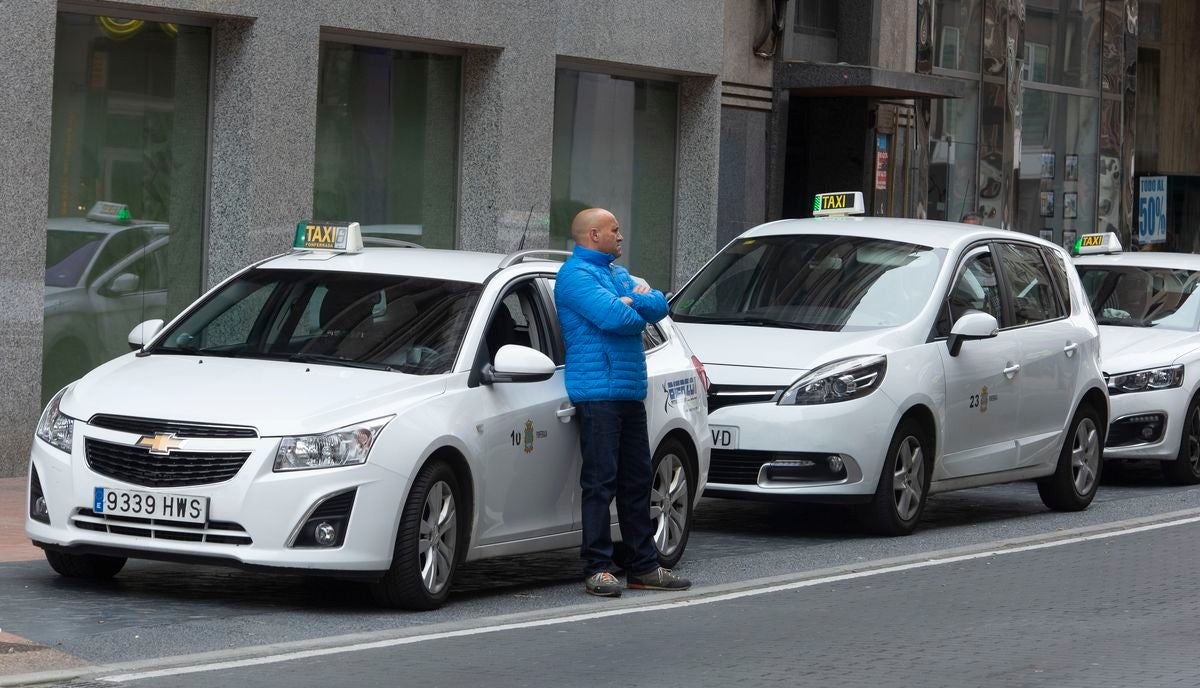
(983, 400)
(529, 436)
(160, 444)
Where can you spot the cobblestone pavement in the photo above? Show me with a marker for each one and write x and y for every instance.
(157, 610)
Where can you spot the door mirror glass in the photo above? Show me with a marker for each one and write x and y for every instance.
(515, 363)
(972, 325)
(143, 333)
(125, 283)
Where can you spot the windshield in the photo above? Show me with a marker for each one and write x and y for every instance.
(1134, 296)
(812, 282)
(385, 322)
(68, 255)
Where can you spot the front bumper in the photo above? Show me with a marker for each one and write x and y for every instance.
(252, 517)
(1172, 403)
(777, 444)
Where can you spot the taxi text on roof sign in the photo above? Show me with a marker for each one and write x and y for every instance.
(840, 203)
(1097, 243)
(343, 237)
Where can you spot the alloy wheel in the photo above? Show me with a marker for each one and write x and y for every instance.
(668, 504)
(438, 537)
(1085, 456)
(908, 480)
(1193, 440)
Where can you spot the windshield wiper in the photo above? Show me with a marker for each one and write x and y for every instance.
(339, 361)
(1120, 323)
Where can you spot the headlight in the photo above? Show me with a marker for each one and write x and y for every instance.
(849, 378)
(55, 427)
(346, 446)
(1146, 380)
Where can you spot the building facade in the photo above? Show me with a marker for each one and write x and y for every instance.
(152, 148)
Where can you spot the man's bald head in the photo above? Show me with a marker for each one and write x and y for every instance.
(597, 229)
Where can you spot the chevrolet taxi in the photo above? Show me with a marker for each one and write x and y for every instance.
(876, 361)
(1149, 316)
(379, 413)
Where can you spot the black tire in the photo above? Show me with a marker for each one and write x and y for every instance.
(1060, 491)
(84, 566)
(670, 550)
(1185, 469)
(403, 586)
(883, 514)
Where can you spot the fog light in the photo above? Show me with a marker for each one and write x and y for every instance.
(325, 534)
(1148, 432)
(835, 464)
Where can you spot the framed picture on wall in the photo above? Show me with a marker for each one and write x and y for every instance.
(1070, 205)
(1046, 233)
(1047, 165)
(1071, 168)
(1068, 239)
(1046, 203)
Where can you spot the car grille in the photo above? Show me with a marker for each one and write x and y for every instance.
(214, 532)
(733, 467)
(154, 426)
(720, 396)
(138, 466)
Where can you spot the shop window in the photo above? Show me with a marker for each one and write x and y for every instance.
(125, 212)
(614, 148)
(387, 142)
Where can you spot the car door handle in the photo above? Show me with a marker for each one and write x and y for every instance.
(564, 414)
(1012, 369)
(1070, 348)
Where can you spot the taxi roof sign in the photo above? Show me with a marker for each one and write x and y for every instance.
(1090, 244)
(839, 203)
(334, 237)
(112, 213)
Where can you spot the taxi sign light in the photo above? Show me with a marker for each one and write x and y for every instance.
(840, 203)
(338, 237)
(113, 213)
(1089, 244)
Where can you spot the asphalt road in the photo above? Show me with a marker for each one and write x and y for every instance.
(1030, 618)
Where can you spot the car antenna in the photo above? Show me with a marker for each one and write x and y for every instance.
(521, 245)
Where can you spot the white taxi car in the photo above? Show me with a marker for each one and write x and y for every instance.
(1149, 318)
(380, 413)
(878, 360)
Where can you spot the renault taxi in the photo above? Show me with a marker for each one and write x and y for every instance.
(877, 361)
(380, 413)
(1149, 320)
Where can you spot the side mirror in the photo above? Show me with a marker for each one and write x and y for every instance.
(125, 283)
(972, 325)
(143, 333)
(517, 364)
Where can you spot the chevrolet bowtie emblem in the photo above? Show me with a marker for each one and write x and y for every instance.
(161, 444)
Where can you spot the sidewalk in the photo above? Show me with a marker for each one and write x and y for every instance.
(14, 544)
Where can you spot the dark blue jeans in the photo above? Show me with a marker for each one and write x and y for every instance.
(616, 463)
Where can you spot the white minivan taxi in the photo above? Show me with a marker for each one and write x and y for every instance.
(378, 413)
(877, 360)
(1149, 314)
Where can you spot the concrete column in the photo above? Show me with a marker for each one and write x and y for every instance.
(699, 150)
(26, 75)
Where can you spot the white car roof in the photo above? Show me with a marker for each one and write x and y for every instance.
(82, 224)
(1147, 259)
(460, 266)
(932, 233)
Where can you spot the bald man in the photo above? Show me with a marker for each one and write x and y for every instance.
(603, 311)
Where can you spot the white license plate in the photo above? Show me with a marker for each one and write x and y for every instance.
(167, 507)
(724, 436)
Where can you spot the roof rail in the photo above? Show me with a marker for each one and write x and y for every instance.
(387, 242)
(520, 256)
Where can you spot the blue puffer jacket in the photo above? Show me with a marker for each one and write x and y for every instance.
(605, 358)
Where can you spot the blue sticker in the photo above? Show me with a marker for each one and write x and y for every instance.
(99, 506)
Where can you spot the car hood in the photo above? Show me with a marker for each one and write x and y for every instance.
(745, 355)
(1125, 349)
(275, 397)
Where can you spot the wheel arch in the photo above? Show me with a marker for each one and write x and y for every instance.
(454, 457)
(1098, 400)
(924, 417)
(689, 448)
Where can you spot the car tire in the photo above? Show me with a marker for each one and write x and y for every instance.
(671, 495)
(428, 543)
(907, 469)
(84, 566)
(1185, 469)
(1080, 463)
